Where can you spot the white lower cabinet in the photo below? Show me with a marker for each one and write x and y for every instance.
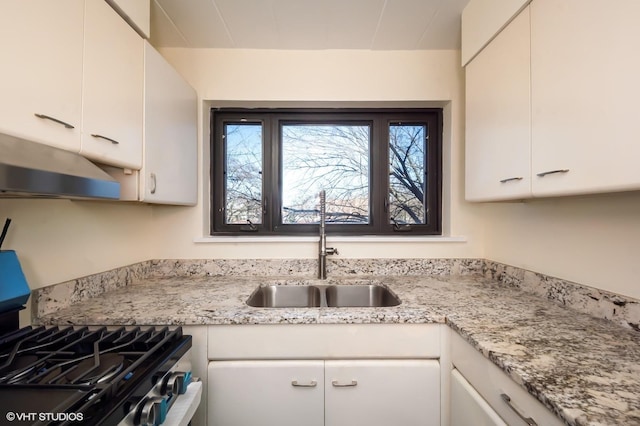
(467, 405)
(382, 392)
(489, 389)
(283, 393)
(331, 392)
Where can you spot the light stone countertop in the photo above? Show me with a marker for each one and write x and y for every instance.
(586, 370)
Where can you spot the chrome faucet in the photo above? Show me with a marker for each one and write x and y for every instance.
(324, 250)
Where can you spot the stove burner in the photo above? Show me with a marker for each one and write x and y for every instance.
(19, 367)
(50, 375)
(92, 370)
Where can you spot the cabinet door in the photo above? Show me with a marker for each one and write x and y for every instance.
(41, 48)
(468, 407)
(382, 392)
(265, 393)
(170, 169)
(482, 20)
(511, 401)
(585, 91)
(112, 88)
(136, 12)
(498, 126)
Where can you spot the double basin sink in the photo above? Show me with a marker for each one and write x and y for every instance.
(316, 296)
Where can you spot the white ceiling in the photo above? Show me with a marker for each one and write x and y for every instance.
(307, 24)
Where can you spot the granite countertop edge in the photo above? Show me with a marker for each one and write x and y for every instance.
(584, 369)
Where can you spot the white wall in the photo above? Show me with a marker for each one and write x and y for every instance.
(326, 78)
(592, 240)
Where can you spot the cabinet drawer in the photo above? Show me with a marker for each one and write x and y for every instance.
(491, 382)
(326, 341)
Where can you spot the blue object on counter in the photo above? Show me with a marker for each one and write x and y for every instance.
(14, 290)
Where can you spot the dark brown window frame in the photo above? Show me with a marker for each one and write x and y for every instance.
(380, 120)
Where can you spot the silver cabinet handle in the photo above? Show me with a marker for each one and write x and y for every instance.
(47, 117)
(528, 420)
(154, 183)
(311, 384)
(551, 172)
(511, 179)
(337, 384)
(113, 141)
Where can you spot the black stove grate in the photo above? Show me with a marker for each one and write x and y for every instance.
(101, 373)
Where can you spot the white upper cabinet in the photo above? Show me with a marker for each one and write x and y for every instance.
(169, 173)
(170, 170)
(482, 20)
(41, 49)
(112, 90)
(582, 99)
(136, 12)
(585, 90)
(498, 118)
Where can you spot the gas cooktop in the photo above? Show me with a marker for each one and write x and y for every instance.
(86, 376)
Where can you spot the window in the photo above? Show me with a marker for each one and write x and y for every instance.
(381, 170)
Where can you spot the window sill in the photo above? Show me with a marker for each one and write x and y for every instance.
(348, 239)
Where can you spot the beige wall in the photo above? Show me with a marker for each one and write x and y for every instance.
(58, 240)
(592, 240)
(327, 78)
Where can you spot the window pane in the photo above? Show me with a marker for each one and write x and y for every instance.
(333, 157)
(407, 143)
(243, 173)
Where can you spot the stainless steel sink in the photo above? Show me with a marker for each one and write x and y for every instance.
(286, 296)
(313, 296)
(342, 296)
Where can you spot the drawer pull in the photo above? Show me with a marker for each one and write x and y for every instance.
(113, 141)
(511, 179)
(337, 384)
(528, 420)
(47, 117)
(551, 172)
(311, 384)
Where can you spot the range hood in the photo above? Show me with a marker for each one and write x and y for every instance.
(30, 169)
